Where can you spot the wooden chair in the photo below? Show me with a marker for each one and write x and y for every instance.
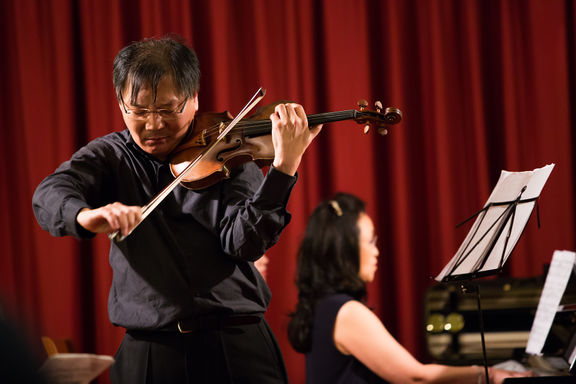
(54, 346)
(63, 366)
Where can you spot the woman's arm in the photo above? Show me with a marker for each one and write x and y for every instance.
(358, 332)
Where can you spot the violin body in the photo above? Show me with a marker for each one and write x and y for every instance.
(236, 149)
(249, 140)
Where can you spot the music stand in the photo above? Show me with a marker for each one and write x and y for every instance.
(495, 232)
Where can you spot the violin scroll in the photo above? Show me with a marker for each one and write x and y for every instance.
(376, 118)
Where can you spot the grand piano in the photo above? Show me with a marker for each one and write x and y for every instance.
(452, 325)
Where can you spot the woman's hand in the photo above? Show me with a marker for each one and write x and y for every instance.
(497, 376)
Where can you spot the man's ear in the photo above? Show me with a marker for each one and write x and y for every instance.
(195, 101)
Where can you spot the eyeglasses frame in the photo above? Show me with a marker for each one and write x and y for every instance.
(147, 111)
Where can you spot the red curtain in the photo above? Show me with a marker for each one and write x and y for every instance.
(484, 85)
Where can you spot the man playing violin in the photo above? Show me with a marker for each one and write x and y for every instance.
(184, 283)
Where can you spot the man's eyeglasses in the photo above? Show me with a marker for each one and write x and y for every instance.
(142, 114)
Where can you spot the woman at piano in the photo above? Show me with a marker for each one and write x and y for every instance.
(343, 340)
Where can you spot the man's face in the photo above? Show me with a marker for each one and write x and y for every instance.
(158, 126)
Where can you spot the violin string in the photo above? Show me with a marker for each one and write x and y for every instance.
(253, 127)
(248, 127)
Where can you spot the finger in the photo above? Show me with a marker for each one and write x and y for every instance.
(119, 217)
(292, 114)
(299, 118)
(274, 117)
(281, 111)
(129, 218)
(138, 211)
(315, 130)
(299, 111)
(110, 218)
(134, 218)
(115, 214)
(126, 220)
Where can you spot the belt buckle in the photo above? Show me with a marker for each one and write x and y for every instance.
(183, 331)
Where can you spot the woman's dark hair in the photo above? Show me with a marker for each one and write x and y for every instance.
(149, 60)
(328, 262)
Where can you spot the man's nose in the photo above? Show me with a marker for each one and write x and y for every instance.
(154, 121)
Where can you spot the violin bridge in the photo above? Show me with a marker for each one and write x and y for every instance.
(200, 139)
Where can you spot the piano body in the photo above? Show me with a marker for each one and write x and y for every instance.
(508, 307)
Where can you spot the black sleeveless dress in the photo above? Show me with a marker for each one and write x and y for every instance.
(324, 363)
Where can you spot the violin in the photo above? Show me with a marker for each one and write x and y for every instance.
(250, 140)
(220, 143)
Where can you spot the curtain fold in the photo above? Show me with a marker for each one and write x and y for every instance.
(484, 85)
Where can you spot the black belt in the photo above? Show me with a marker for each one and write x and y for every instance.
(199, 324)
(214, 323)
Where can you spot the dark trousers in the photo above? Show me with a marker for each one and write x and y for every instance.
(239, 354)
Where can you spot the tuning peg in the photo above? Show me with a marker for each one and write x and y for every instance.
(378, 106)
(362, 104)
(382, 131)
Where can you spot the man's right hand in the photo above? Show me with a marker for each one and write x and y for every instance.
(110, 218)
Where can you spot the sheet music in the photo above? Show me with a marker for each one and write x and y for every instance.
(558, 275)
(491, 228)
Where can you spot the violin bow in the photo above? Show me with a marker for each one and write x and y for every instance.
(148, 208)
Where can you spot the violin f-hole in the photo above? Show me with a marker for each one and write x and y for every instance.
(222, 154)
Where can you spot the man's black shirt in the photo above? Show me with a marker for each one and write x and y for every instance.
(193, 255)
